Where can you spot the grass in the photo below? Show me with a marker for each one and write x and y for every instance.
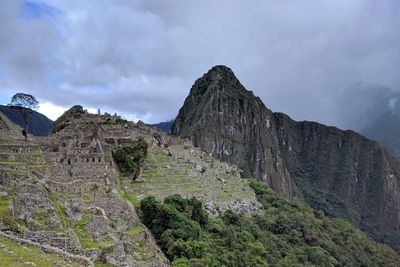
(41, 215)
(180, 189)
(133, 199)
(85, 238)
(12, 163)
(12, 172)
(100, 264)
(33, 165)
(17, 153)
(38, 165)
(135, 230)
(175, 184)
(5, 213)
(170, 163)
(27, 253)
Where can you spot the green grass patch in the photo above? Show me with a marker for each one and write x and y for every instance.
(101, 264)
(123, 178)
(135, 230)
(27, 253)
(60, 209)
(179, 189)
(38, 165)
(133, 199)
(5, 215)
(33, 165)
(85, 238)
(12, 163)
(13, 172)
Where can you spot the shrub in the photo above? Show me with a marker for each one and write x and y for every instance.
(130, 159)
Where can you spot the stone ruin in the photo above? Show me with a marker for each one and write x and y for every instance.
(69, 179)
(73, 170)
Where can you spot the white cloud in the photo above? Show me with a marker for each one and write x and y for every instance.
(50, 110)
(53, 111)
(139, 58)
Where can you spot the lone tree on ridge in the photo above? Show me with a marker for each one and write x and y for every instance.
(25, 104)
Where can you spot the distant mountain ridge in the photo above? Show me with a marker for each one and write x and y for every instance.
(340, 172)
(39, 124)
(164, 126)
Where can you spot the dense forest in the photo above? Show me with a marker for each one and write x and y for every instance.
(284, 233)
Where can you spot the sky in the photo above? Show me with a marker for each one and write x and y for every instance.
(314, 60)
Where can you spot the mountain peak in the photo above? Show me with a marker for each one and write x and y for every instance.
(220, 72)
(220, 69)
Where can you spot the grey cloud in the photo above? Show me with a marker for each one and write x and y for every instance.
(141, 57)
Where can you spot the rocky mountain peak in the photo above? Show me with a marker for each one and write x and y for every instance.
(224, 118)
(220, 72)
(219, 79)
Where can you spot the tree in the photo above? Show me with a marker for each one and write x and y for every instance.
(25, 104)
(130, 159)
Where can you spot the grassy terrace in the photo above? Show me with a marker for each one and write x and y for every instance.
(29, 164)
(177, 174)
(5, 215)
(16, 255)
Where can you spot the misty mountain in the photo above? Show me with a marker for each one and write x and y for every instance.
(386, 130)
(39, 124)
(363, 104)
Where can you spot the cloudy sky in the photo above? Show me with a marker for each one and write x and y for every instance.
(140, 58)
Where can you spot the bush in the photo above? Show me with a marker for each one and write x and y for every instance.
(285, 233)
(130, 159)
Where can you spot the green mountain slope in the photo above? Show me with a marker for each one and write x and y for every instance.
(284, 233)
(39, 124)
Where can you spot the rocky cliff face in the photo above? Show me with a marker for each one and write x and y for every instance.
(340, 172)
(225, 119)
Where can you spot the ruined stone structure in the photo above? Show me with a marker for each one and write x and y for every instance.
(65, 190)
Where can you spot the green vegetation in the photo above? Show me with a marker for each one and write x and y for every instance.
(14, 254)
(130, 159)
(135, 230)
(133, 199)
(100, 264)
(284, 233)
(29, 164)
(85, 238)
(5, 216)
(74, 112)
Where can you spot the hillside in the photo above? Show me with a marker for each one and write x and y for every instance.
(39, 124)
(284, 233)
(340, 172)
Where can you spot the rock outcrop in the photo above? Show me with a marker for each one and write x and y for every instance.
(340, 172)
(225, 119)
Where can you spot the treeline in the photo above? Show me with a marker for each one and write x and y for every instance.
(284, 233)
